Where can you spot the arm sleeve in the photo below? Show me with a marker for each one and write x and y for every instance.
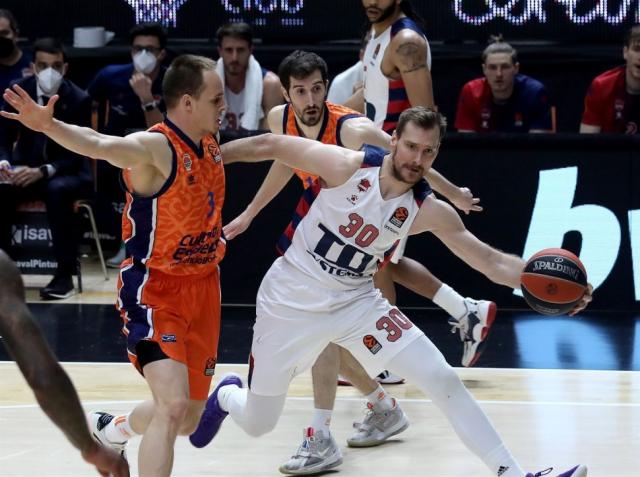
(465, 117)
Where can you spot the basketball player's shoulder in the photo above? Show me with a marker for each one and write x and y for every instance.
(154, 141)
(274, 118)
(340, 110)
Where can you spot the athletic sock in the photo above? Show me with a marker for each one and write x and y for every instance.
(380, 400)
(322, 420)
(450, 301)
(119, 429)
(502, 463)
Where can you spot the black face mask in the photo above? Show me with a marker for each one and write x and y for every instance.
(6, 47)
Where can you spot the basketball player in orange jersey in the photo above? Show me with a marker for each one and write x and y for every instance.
(168, 291)
(51, 385)
(304, 79)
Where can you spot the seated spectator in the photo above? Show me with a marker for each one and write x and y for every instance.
(38, 168)
(14, 63)
(503, 100)
(130, 98)
(612, 104)
(250, 91)
(345, 84)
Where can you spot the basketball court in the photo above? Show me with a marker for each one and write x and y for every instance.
(549, 417)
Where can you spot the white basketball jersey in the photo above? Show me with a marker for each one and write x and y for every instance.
(235, 109)
(340, 235)
(385, 99)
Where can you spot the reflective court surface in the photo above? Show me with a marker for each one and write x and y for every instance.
(560, 390)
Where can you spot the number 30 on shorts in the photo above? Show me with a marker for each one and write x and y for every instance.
(394, 324)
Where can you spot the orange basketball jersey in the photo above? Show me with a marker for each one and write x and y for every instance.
(178, 231)
(335, 115)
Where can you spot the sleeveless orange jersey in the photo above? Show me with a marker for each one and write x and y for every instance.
(178, 231)
(335, 115)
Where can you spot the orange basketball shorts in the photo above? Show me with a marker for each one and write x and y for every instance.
(180, 314)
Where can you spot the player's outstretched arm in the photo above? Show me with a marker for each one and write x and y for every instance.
(50, 384)
(278, 176)
(461, 197)
(439, 218)
(122, 152)
(334, 164)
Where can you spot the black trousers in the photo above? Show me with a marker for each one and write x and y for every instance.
(59, 194)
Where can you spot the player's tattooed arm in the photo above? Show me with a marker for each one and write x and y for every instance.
(410, 59)
(412, 56)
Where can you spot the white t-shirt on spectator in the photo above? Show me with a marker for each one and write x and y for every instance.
(341, 88)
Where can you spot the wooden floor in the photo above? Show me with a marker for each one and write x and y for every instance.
(547, 418)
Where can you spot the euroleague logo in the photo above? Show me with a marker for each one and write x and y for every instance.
(215, 153)
(186, 160)
(371, 343)
(399, 217)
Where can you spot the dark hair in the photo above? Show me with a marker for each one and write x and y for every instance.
(13, 24)
(425, 118)
(408, 10)
(235, 30)
(185, 76)
(49, 45)
(632, 35)
(301, 64)
(498, 45)
(149, 29)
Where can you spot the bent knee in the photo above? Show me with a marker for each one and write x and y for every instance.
(174, 410)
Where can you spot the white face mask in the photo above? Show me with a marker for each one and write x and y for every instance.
(144, 62)
(49, 81)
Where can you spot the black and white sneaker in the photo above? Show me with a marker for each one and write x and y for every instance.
(97, 423)
(473, 328)
(61, 286)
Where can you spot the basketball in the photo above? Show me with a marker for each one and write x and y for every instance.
(553, 281)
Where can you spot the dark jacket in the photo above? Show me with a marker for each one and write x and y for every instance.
(34, 148)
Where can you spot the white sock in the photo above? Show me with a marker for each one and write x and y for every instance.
(119, 429)
(322, 420)
(502, 463)
(380, 399)
(224, 393)
(450, 301)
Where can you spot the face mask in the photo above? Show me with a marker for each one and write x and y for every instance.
(49, 81)
(144, 62)
(6, 47)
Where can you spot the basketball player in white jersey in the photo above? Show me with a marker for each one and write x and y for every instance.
(304, 79)
(321, 290)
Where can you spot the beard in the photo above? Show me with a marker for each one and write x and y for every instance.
(235, 68)
(397, 172)
(385, 14)
(308, 120)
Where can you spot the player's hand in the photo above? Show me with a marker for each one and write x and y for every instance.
(582, 304)
(141, 85)
(5, 171)
(31, 114)
(24, 176)
(108, 462)
(466, 202)
(237, 225)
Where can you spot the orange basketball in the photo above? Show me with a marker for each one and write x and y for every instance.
(553, 281)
